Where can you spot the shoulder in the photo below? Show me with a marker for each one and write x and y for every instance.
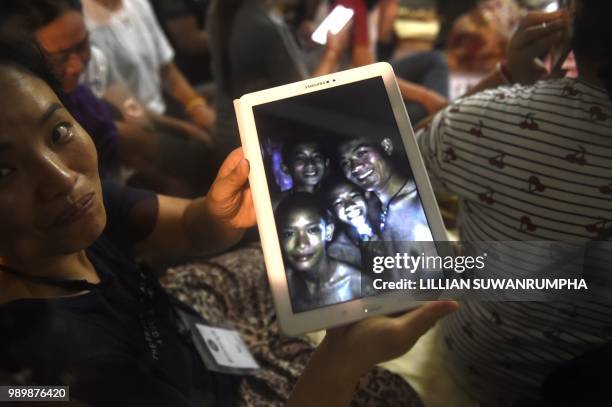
(345, 269)
(131, 214)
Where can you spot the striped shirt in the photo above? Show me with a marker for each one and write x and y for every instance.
(529, 163)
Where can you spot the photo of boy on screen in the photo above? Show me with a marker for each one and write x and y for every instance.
(314, 278)
(304, 159)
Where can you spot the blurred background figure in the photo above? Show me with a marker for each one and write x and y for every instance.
(184, 23)
(154, 151)
(132, 38)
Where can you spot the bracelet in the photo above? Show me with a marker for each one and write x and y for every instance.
(504, 73)
(195, 102)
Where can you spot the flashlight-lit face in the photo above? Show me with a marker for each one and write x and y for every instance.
(303, 238)
(364, 165)
(349, 205)
(307, 164)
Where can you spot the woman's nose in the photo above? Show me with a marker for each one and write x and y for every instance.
(75, 65)
(56, 179)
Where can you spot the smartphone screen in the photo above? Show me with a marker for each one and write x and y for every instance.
(333, 23)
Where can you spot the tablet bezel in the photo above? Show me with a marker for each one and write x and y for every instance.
(339, 314)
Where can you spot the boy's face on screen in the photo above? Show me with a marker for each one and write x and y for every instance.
(308, 164)
(364, 164)
(349, 204)
(303, 238)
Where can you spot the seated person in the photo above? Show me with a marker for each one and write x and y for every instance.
(129, 34)
(314, 279)
(184, 23)
(539, 171)
(75, 310)
(131, 137)
(422, 76)
(368, 165)
(253, 49)
(305, 160)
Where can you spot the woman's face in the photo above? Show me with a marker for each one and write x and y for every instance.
(50, 193)
(349, 205)
(66, 44)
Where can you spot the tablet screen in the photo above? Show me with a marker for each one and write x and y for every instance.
(339, 180)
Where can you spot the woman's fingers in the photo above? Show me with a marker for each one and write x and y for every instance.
(542, 31)
(417, 322)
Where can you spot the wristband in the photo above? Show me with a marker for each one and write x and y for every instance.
(195, 102)
(504, 73)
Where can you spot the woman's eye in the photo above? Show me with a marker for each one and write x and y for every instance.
(62, 133)
(6, 171)
(287, 234)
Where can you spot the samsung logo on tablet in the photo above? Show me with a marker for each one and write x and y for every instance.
(312, 85)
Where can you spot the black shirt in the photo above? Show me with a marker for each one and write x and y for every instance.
(120, 343)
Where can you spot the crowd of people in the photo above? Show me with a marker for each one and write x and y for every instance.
(119, 152)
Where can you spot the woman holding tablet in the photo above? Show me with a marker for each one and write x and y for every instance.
(76, 310)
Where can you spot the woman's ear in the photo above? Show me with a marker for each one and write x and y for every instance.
(387, 145)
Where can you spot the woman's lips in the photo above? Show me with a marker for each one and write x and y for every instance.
(76, 210)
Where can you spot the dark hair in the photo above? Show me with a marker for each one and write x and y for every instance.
(332, 182)
(298, 200)
(30, 15)
(592, 33)
(374, 144)
(26, 55)
(291, 142)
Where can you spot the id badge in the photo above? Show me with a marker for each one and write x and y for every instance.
(222, 350)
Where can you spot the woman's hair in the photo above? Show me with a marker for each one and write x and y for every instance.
(592, 33)
(224, 12)
(30, 15)
(25, 55)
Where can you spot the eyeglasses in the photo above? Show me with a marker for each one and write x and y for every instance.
(61, 57)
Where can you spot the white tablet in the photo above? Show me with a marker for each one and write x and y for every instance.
(338, 183)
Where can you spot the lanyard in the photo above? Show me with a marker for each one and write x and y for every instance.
(67, 284)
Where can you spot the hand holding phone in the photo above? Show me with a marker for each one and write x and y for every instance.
(537, 34)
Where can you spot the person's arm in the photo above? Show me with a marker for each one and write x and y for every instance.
(361, 55)
(206, 225)
(186, 34)
(339, 362)
(195, 105)
(431, 100)
(333, 50)
(176, 126)
(537, 33)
